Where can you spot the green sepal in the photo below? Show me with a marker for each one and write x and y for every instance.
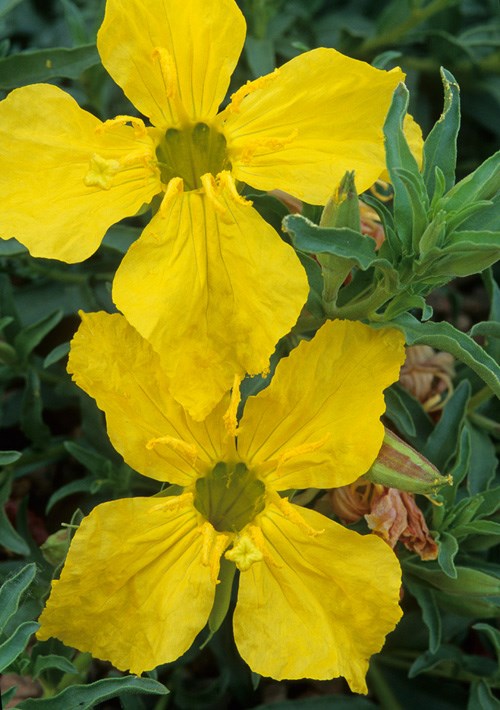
(342, 210)
(398, 465)
(222, 598)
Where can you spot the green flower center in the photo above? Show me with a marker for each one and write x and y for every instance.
(229, 497)
(190, 153)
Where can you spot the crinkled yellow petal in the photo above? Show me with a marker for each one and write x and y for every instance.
(213, 287)
(112, 363)
(316, 606)
(63, 180)
(173, 59)
(302, 127)
(318, 423)
(137, 585)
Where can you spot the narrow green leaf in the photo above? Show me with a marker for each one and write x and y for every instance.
(8, 457)
(53, 661)
(85, 697)
(11, 539)
(398, 412)
(481, 697)
(448, 548)
(443, 336)
(32, 335)
(11, 247)
(493, 635)
(7, 5)
(430, 612)
(399, 156)
(40, 65)
(477, 527)
(16, 643)
(482, 184)
(12, 590)
(484, 460)
(440, 147)
(56, 354)
(222, 596)
(32, 422)
(81, 485)
(260, 54)
(443, 441)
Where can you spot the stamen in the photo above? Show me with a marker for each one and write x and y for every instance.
(273, 145)
(300, 450)
(174, 502)
(294, 516)
(230, 417)
(139, 127)
(210, 187)
(226, 181)
(213, 545)
(168, 70)
(175, 187)
(101, 172)
(187, 451)
(249, 88)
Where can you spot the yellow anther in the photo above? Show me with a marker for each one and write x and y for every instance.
(138, 124)
(230, 417)
(249, 88)
(301, 449)
(187, 451)
(269, 145)
(175, 187)
(293, 515)
(210, 187)
(174, 502)
(244, 553)
(168, 70)
(101, 172)
(213, 545)
(225, 181)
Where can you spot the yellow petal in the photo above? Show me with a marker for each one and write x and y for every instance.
(112, 363)
(172, 59)
(63, 179)
(302, 127)
(137, 585)
(212, 286)
(316, 606)
(318, 423)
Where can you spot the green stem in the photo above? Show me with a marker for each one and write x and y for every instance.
(365, 308)
(394, 35)
(481, 396)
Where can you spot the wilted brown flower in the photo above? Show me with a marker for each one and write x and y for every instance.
(427, 374)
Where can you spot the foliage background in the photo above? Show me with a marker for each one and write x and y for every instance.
(57, 463)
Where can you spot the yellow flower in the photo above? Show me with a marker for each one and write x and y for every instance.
(209, 281)
(314, 599)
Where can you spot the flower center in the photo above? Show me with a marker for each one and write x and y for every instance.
(229, 497)
(190, 153)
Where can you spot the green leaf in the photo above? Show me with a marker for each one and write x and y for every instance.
(81, 485)
(56, 354)
(493, 635)
(8, 457)
(85, 697)
(325, 702)
(448, 548)
(341, 242)
(7, 5)
(440, 147)
(11, 247)
(16, 643)
(482, 184)
(10, 538)
(430, 612)
(484, 460)
(91, 459)
(40, 65)
(32, 422)
(52, 661)
(12, 590)
(443, 336)
(31, 336)
(120, 237)
(399, 157)
(443, 441)
(260, 55)
(477, 527)
(481, 697)
(397, 411)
